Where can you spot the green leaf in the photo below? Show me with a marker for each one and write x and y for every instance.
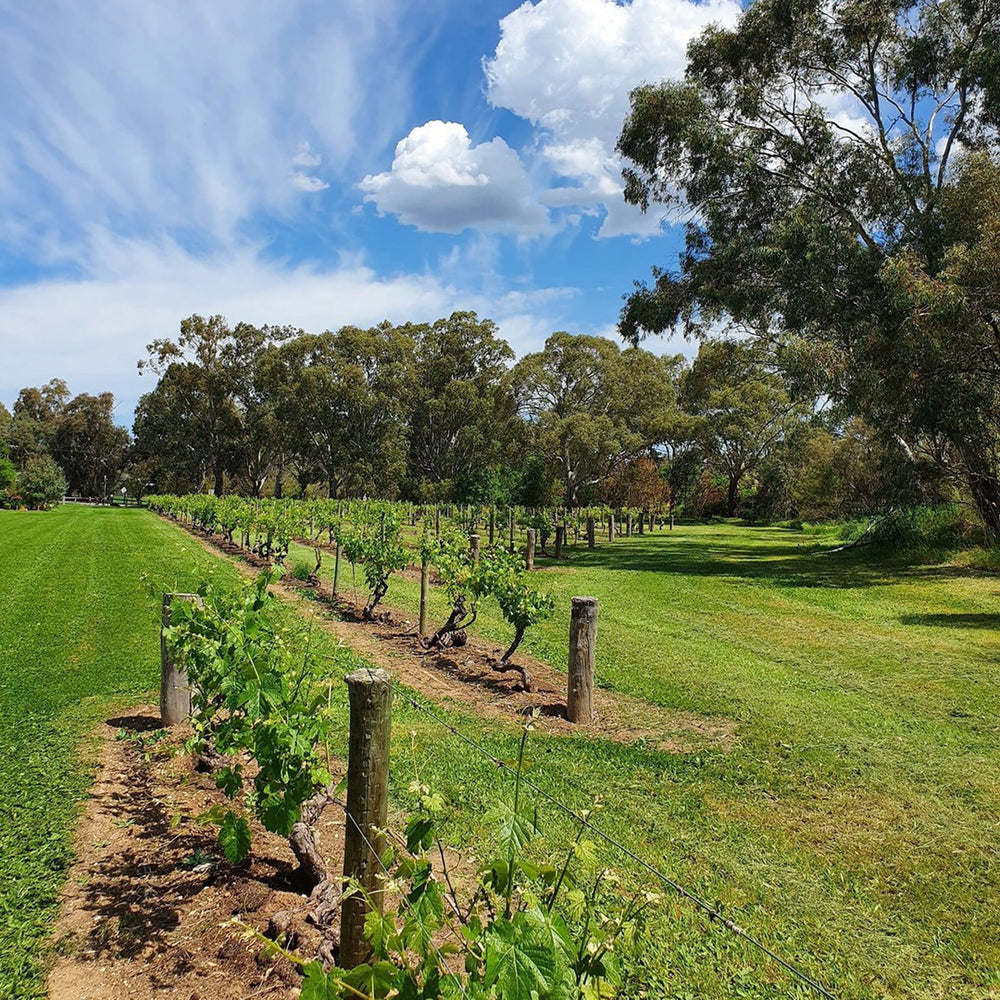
(519, 967)
(373, 980)
(216, 814)
(234, 837)
(419, 834)
(230, 780)
(320, 985)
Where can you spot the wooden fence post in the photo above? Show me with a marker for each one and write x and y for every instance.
(336, 571)
(590, 533)
(529, 551)
(370, 695)
(175, 691)
(424, 586)
(493, 519)
(582, 647)
(511, 530)
(560, 534)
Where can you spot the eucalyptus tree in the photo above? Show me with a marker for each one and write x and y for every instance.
(200, 416)
(88, 445)
(464, 409)
(344, 402)
(742, 408)
(35, 419)
(593, 407)
(821, 150)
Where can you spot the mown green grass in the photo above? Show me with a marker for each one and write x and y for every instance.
(78, 639)
(853, 825)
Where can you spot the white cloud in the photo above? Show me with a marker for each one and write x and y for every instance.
(166, 117)
(96, 329)
(439, 181)
(567, 66)
(303, 182)
(305, 157)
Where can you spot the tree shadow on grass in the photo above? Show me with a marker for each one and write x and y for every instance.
(957, 620)
(767, 554)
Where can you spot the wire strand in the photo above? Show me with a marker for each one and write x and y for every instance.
(712, 912)
(409, 905)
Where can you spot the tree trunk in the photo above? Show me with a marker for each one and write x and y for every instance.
(733, 498)
(985, 490)
(279, 475)
(220, 479)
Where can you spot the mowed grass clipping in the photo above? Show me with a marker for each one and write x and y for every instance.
(854, 822)
(78, 637)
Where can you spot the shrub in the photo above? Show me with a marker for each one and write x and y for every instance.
(41, 483)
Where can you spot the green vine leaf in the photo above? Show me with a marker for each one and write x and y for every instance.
(234, 837)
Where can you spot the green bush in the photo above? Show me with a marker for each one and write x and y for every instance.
(41, 483)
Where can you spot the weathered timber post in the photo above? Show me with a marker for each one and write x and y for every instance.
(590, 533)
(473, 549)
(370, 695)
(582, 647)
(560, 535)
(512, 530)
(336, 570)
(175, 690)
(437, 522)
(529, 551)
(493, 518)
(611, 527)
(628, 525)
(424, 587)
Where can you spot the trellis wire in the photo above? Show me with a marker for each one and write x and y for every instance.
(713, 913)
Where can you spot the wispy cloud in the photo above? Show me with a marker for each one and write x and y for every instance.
(96, 329)
(156, 118)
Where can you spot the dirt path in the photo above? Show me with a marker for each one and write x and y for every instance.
(148, 909)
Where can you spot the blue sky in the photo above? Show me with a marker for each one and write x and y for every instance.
(316, 163)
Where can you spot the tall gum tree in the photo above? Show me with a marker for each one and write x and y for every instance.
(819, 150)
(195, 414)
(593, 407)
(464, 410)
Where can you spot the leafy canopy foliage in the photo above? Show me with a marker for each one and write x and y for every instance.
(814, 146)
(594, 407)
(41, 483)
(256, 691)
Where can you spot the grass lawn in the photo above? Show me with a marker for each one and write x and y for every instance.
(78, 637)
(854, 824)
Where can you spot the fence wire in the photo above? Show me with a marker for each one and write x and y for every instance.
(712, 913)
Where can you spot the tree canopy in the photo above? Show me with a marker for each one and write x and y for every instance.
(829, 156)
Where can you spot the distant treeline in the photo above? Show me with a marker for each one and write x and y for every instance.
(444, 412)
